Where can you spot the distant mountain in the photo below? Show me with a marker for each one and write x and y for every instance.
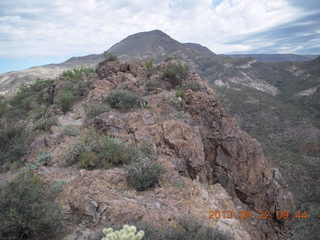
(275, 57)
(158, 46)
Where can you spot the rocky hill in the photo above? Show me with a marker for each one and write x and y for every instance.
(142, 143)
(277, 103)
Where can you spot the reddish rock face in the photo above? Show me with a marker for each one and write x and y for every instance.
(221, 167)
(207, 144)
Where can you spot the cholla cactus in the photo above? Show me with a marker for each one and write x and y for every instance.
(127, 233)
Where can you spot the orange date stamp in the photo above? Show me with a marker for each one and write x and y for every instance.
(280, 215)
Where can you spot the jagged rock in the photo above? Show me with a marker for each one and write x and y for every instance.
(221, 166)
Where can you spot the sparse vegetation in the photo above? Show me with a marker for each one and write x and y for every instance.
(144, 174)
(149, 68)
(175, 73)
(186, 227)
(45, 122)
(179, 94)
(95, 109)
(170, 58)
(25, 213)
(122, 100)
(66, 100)
(194, 86)
(109, 56)
(57, 186)
(190, 228)
(14, 143)
(98, 151)
(76, 86)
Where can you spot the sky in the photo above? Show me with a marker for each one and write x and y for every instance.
(37, 32)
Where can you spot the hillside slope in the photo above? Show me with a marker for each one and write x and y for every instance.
(277, 103)
(145, 117)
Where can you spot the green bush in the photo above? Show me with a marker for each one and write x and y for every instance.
(170, 58)
(95, 151)
(14, 143)
(96, 109)
(79, 74)
(179, 93)
(144, 174)
(115, 152)
(70, 130)
(194, 86)
(25, 213)
(149, 68)
(27, 95)
(88, 160)
(109, 56)
(43, 158)
(57, 186)
(45, 123)
(146, 151)
(189, 229)
(175, 73)
(122, 100)
(3, 106)
(76, 85)
(66, 100)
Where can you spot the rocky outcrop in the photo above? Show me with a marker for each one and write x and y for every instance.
(205, 143)
(211, 164)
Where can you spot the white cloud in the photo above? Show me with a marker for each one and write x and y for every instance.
(31, 28)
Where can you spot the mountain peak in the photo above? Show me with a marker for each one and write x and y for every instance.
(142, 45)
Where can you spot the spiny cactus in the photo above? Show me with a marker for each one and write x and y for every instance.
(126, 233)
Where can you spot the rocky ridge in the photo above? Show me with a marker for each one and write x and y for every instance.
(211, 164)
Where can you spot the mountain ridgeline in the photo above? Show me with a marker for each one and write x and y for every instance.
(275, 98)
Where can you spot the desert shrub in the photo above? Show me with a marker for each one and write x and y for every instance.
(175, 73)
(115, 152)
(3, 106)
(180, 93)
(88, 160)
(109, 56)
(185, 228)
(194, 86)
(76, 86)
(96, 109)
(14, 144)
(43, 158)
(66, 100)
(73, 152)
(70, 130)
(151, 86)
(147, 151)
(122, 100)
(28, 95)
(45, 122)
(170, 58)
(144, 174)
(25, 212)
(190, 229)
(79, 74)
(149, 68)
(57, 186)
(99, 151)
